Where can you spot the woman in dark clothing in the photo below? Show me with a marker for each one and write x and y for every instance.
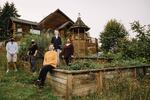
(67, 52)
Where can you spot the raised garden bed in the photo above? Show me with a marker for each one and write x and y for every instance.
(95, 59)
(84, 82)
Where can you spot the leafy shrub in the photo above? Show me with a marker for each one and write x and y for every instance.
(82, 65)
(120, 61)
(41, 41)
(116, 62)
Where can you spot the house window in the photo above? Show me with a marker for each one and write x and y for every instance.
(19, 30)
(33, 31)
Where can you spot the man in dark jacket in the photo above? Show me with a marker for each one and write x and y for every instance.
(56, 41)
(32, 52)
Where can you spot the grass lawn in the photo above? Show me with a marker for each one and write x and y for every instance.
(19, 85)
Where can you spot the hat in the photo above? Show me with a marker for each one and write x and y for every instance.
(12, 39)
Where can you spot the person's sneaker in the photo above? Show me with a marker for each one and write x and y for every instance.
(7, 71)
(37, 83)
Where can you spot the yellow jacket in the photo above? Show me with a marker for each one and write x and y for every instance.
(50, 58)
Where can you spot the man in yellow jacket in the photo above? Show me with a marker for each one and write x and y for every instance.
(49, 63)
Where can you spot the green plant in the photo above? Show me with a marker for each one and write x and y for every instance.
(82, 65)
(110, 38)
(41, 41)
(8, 10)
(19, 85)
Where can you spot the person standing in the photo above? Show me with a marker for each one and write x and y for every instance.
(32, 52)
(49, 63)
(56, 41)
(12, 50)
(67, 52)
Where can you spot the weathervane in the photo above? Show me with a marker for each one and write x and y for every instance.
(79, 14)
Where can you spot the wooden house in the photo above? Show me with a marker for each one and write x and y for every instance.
(78, 31)
(20, 27)
(56, 20)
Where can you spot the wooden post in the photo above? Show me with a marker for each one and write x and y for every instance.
(144, 70)
(99, 81)
(78, 42)
(14, 29)
(69, 87)
(134, 73)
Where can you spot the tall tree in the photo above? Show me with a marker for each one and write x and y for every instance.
(0, 9)
(0, 21)
(143, 32)
(8, 11)
(112, 34)
(143, 39)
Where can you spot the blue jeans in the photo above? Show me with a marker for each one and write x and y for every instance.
(32, 63)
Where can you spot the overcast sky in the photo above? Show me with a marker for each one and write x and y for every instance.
(94, 13)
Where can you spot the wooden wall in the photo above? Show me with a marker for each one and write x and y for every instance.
(25, 28)
(84, 47)
(80, 48)
(84, 82)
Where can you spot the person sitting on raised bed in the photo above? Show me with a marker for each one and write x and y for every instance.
(49, 63)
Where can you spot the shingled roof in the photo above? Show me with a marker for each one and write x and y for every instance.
(69, 23)
(54, 20)
(23, 21)
(80, 24)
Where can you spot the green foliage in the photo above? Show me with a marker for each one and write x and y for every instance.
(117, 61)
(123, 61)
(41, 41)
(8, 10)
(136, 48)
(139, 29)
(111, 36)
(82, 65)
(127, 50)
(19, 85)
(0, 9)
(141, 44)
